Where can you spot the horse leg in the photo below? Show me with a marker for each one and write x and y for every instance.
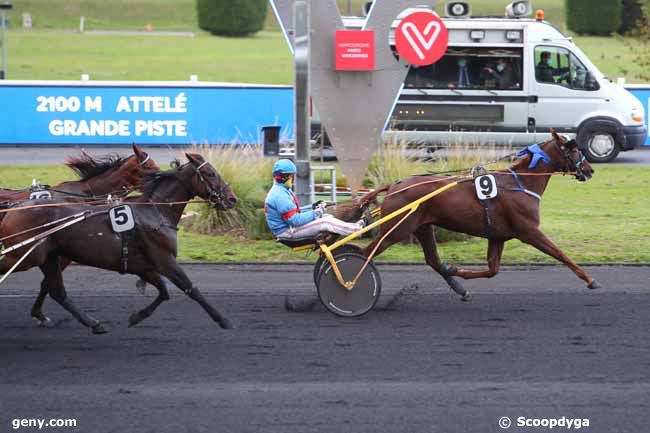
(54, 284)
(540, 241)
(37, 308)
(178, 277)
(427, 238)
(495, 249)
(163, 296)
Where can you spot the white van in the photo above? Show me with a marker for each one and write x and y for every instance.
(548, 83)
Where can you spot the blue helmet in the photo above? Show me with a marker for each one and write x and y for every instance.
(284, 166)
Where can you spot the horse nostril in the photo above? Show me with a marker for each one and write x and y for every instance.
(232, 200)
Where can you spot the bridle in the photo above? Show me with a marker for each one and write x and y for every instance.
(571, 164)
(216, 195)
(145, 160)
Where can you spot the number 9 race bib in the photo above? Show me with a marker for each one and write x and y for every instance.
(121, 218)
(486, 187)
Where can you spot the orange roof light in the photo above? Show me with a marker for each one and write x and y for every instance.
(539, 14)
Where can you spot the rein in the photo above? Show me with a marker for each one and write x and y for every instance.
(99, 202)
(554, 173)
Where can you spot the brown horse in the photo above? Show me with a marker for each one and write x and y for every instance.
(97, 177)
(513, 214)
(151, 246)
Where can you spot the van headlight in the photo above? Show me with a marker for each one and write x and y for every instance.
(638, 115)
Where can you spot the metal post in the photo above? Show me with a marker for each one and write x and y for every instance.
(349, 7)
(301, 86)
(3, 72)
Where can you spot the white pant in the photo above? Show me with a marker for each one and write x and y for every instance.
(327, 223)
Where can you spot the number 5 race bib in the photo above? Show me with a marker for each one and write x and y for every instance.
(486, 187)
(40, 195)
(121, 218)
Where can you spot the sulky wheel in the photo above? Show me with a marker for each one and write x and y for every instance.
(349, 303)
(320, 262)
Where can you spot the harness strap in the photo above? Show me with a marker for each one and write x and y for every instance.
(487, 220)
(125, 251)
(521, 186)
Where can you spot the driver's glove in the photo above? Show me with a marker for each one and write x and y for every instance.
(320, 210)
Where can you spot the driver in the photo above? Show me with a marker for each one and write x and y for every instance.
(287, 220)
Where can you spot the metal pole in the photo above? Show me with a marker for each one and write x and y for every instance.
(349, 7)
(301, 91)
(3, 72)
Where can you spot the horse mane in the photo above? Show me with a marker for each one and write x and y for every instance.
(521, 162)
(149, 182)
(86, 166)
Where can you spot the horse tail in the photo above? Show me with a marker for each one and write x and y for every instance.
(371, 197)
(353, 210)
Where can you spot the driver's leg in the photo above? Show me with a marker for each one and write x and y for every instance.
(327, 223)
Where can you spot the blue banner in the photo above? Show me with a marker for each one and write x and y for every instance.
(108, 115)
(642, 93)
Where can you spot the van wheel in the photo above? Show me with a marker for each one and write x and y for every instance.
(599, 146)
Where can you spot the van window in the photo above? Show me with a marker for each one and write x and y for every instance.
(555, 65)
(471, 68)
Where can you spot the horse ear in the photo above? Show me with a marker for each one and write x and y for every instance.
(139, 153)
(190, 158)
(556, 136)
(194, 158)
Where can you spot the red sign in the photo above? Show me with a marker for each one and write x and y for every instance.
(421, 38)
(354, 50)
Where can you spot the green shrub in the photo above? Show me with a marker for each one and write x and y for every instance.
(231, 18)
(632, 15)
(249, 175)
(594, 17)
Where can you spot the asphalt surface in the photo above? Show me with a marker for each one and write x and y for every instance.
(533, 343)
(11, 155)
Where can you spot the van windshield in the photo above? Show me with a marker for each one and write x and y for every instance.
(471, 68)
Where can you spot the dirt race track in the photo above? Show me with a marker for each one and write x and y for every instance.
(533, 343)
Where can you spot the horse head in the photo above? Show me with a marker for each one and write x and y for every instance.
(568, 157)
(137, 166)
(208, 184)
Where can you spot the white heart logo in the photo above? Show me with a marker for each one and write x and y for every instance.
(411, 32)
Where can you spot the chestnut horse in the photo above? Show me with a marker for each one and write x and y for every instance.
(151, 251)
(512, 214)
(97, 177)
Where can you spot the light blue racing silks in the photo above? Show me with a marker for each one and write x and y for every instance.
(282, 210)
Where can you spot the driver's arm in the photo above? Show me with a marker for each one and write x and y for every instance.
(290, 214)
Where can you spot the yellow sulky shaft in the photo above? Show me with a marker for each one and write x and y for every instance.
(410, 208)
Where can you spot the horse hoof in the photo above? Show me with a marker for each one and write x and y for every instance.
(134, 319)
(448, 269)
(466, 297)
(43, 322)
(226, 324)
(594, 285)
(141, 285)
(98, 329)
